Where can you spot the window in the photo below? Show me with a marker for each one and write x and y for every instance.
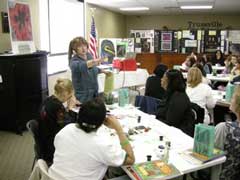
(60, 21)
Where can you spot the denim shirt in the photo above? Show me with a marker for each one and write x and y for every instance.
(85, 80)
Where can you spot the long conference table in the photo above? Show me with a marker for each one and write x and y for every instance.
(147, 143)
(121, 79)
(218, 77)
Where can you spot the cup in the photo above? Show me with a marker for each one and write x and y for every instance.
(149, 157)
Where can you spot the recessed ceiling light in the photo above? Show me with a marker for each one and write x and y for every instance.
(196, 7)
(135, 9)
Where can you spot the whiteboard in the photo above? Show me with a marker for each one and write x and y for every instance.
(66, 21)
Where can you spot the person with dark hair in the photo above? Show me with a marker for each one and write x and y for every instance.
(153, 85)
(85, 150)
(204, 79)
(177, 109)
(204, 61)
(218, 58)
(84, 70)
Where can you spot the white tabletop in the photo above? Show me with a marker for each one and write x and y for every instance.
(218, 67)
(125, 79)
(147, 143)
(220, 96)
(218, 77)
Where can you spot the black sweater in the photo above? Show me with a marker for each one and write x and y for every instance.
(177, 112)
(154, 88)
(53, 117)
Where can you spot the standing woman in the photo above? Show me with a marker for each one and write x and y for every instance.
(84, 70)
(177, 109)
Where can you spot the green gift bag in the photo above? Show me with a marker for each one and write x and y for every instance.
(204, 136)
(229, 91)
(123, 97)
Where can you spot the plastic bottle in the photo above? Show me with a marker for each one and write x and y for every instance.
(166, 151)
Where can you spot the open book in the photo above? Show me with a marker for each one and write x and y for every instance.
(197, 158)
(152, 170)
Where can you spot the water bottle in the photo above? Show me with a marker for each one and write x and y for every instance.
(166, 151)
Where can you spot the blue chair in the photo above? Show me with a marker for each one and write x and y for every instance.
(147, 104)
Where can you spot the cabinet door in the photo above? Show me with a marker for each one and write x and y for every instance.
(31, 87)
(7, 96)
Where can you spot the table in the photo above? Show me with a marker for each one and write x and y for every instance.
(218, 77)
(218, 67)
(147, 143)
(220, 96)
(121, 79)
(125, 79)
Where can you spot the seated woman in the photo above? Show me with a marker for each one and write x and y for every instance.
(153, 84)
(204, 61)
(204, 79)
(54, 116)
(190, 60)
(199, 92)
(229, 64)
(218, 58)
(176, 111)
(227, 138)
(236, 69)
(85, 150)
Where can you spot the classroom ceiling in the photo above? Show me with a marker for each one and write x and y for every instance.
(170, 7)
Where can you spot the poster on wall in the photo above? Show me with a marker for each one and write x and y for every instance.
(20, 28)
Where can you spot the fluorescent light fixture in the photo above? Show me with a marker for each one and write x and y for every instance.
(135, 9)
(196, 7)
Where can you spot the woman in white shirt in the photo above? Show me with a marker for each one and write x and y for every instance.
(199, 92)
(83, 151)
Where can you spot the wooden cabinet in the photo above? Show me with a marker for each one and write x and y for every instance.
(23, 87)
(150, 60)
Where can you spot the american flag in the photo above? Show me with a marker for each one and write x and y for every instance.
(93, 40)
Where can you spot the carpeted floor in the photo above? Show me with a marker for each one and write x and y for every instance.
(16, 155)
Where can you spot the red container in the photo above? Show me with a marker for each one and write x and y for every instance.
(125, 65)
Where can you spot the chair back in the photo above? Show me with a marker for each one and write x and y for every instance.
(147, 104)
(33, 128)
(40, 171)
(199, 113)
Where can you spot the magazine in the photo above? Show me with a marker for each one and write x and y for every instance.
(152, 170)
(197, 158)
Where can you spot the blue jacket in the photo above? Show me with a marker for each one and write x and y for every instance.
(85, 81)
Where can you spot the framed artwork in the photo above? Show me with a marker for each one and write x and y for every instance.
(166, 36)
(20, 27)
(166, 45)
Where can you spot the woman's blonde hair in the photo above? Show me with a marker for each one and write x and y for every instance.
(194, 77)
(236, 95)
(74, 44)
(63, 85)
